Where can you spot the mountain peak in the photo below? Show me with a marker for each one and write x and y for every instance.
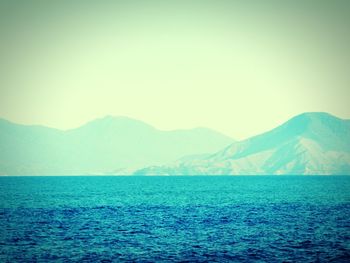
(315, 114)
(120, 122)
(308, 117)
(313, 123)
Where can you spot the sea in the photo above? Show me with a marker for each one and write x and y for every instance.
(175, 219)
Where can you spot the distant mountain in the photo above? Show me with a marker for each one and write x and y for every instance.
(113, 145)
(311, 143)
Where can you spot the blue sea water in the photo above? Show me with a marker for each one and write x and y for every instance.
(172, 219)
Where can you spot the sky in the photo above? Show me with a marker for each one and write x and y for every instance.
(239, 67)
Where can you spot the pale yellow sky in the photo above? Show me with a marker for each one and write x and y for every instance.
(239, 67)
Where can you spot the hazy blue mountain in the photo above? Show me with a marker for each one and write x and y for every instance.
(107, 145)
(310, 143)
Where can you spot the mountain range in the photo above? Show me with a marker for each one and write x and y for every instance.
(110, 145)
(309, 144)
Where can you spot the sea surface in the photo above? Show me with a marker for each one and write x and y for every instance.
(173, 219)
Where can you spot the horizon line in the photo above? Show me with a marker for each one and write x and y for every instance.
(106, 116)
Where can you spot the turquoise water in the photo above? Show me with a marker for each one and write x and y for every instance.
(166, 219)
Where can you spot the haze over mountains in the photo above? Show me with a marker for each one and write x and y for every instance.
(110, 145)
(310, 143)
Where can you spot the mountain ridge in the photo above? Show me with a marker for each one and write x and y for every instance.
(307, 143)
(101, 146)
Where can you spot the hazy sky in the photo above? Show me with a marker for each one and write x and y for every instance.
(240, 67)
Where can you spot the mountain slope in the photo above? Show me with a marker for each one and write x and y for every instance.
(106, 145)
(310, 143)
